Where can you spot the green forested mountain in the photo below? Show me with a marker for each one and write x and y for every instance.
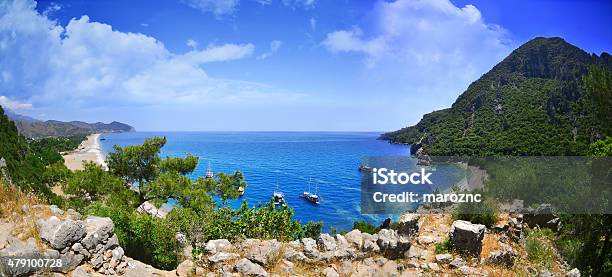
(531, 103)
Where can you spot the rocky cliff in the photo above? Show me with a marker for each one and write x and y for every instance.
(88, 246)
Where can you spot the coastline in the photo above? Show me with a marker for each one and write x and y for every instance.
(89, 151)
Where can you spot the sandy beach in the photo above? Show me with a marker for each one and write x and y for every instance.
(89, 150)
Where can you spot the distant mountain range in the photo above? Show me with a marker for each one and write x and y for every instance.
(531, 103)
(34, 128)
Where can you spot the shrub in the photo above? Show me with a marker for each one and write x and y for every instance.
(365, 227)
(443, 246)
(480, 213)
(539, 247)
(312, 229)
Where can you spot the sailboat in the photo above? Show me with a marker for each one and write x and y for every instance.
(278, 197)
(209, 172)
(311, 197)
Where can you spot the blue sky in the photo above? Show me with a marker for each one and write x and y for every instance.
(264, 65)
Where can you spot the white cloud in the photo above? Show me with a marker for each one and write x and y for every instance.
(217, 7)
(192, 43)
(274, 46)
(89, 64)
(53, 7)
(264, 2)
(313, 23)
(305, 4)
(13, 104)
(425, 43)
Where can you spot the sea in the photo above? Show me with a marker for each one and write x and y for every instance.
(287, 161)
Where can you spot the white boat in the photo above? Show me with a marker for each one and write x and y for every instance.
(209, 172)
(311, 197)
(278, 197)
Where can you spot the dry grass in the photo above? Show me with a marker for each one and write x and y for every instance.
(11, 202)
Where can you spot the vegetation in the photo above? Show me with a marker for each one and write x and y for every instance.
(443, 246)
(484, 213)
(532, 103)
(365, 227)
(539, 247)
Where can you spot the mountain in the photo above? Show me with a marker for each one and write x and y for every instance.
(531, 103)
(33, 128)
(18, 117)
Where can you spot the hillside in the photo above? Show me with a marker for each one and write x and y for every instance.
(33, 128)
(531, 103)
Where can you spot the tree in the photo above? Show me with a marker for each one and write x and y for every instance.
(598, 86)
(92, 183)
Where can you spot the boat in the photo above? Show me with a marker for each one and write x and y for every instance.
(241, 190)
(365, 168)
(279, 197)
(209, 172)
(309, 196)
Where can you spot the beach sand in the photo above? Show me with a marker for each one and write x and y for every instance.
(89, 150)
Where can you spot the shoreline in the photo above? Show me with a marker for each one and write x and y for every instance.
(88, 151)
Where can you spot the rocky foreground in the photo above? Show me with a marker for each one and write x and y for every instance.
(87, 246)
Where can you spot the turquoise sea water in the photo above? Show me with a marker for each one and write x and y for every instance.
(331, 159)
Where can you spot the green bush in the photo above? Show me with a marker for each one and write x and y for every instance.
(365, 227)
(539, 248)
(443, 246)
(479, 213)
(145, 238)
(312, 229)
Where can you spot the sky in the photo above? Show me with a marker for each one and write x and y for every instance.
(267, 65)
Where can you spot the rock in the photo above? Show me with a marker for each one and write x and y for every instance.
(118, 253)
(294, 255)
(80, 272)
(60, 234)
(466, 237)
(264, 253)
(370, 242)
(136, 268)
(24, 251)
(457, 263)
(545, 273)
(112, 242)
(380, 261)
(413, 252)
(504, 257)
(221, 257)
(77, 247)
(573, 273)
(542, 216)
(408, 224)
(470, 271)
(69, 262)
(185, 269)
(326, 242)
(391, 244)
(389, 269)
(346, 268)
(310, 248)
(246, 267)
(98, 230)
(354, 238)
(434, 266)
(213, 246)
(330, 272)
(55, 210)
(425, 240)
(444, 258)
(286, 266)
